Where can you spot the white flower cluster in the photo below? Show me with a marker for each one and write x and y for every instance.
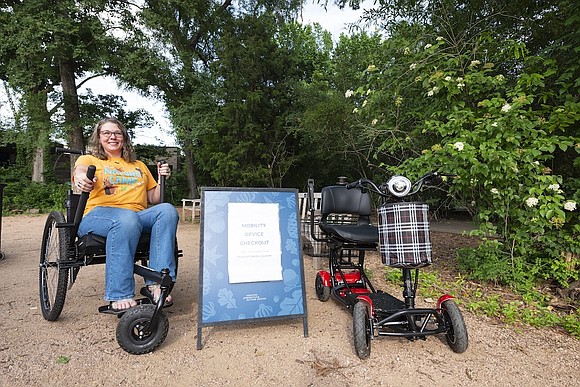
(349, 93)
(459, 146)
(506, 108)
(532, 202)
(570, 205)
(555, 187)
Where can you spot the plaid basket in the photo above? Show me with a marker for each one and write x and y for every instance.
(404, 235)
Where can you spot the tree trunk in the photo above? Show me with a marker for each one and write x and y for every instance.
(72, 120)
(38, 165)
(190, 169)
(38, 126)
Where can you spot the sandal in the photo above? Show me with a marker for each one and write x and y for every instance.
(122, 305)
(153, 292)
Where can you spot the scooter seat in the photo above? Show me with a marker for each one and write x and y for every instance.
(352, 233)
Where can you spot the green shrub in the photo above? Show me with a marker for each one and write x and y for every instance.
(26, 195)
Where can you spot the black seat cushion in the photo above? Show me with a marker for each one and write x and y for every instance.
(92, 244)
(352, 233)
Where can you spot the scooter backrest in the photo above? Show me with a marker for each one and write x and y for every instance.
(336, 199)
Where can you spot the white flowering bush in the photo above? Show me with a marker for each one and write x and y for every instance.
(500, 144)
(498, 132)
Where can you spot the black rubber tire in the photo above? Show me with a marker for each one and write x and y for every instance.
(52, 280)
(322, 292)
(132, 335)
(456, 329)
(361, 325)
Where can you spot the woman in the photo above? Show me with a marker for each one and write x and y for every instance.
(117, 209)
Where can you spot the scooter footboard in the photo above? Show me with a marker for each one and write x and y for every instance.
(410, 323)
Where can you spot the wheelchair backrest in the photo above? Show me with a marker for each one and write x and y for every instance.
(337, 200)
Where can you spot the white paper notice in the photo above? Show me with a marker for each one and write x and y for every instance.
(254, 242)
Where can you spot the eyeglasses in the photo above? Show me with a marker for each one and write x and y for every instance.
(107, 133)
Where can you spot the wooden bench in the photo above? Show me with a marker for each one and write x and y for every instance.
(193, 205)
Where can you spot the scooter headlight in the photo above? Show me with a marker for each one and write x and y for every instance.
(399, 186)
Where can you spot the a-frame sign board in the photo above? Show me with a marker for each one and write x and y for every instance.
(250, 262)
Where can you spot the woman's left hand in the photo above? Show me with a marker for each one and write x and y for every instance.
(163, 170)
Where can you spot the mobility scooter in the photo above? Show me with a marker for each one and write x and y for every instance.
(403, 239)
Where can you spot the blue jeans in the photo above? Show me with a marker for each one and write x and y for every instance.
(122, 228)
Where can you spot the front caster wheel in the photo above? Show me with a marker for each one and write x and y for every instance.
(456, 330)
(133, 333)
(361, 324)
(322, 291)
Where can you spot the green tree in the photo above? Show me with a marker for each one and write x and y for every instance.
(500, 109)
(51, 44)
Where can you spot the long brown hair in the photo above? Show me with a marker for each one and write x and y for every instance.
(127, 153)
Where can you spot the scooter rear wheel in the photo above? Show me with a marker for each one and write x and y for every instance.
(361, 324)
(456, 330)
(322, 291)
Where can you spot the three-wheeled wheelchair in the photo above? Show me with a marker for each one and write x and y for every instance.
(404, 242)
(140, 329)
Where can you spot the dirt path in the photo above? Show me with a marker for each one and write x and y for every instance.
(265, 354)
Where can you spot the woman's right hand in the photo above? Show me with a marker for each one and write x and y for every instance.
(82, 182)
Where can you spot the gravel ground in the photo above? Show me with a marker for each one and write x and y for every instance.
(265, 354)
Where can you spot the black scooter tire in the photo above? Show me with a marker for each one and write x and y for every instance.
(456, 334)
(361, 324)
(322, 291)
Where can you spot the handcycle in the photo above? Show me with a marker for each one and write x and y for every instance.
(404, 242)
(140, 329)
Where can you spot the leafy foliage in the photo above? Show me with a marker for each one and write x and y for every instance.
(483, 89)
(473, 100)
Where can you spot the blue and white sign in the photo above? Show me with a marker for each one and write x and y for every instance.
(251, 264)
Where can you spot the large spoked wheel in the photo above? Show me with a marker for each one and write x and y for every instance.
(322, 291)
(456, 329)
(133, 333)
(361, 324)
(53, 280)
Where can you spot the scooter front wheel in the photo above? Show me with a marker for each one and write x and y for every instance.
(322, 291)
(456, 333)
(361, 324)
